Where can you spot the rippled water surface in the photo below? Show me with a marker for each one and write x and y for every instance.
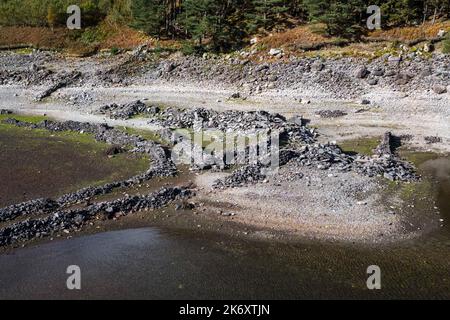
(154, 263)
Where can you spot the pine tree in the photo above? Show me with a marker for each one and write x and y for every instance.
(316, 8)
(148, 16)
(213, 20)
(342, 18)
(265, 14)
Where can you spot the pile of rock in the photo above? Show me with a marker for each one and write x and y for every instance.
(324, 157)
(63, 81)
(234, 121)
(129, 110)
(331, 157)
(241, 177)
(331, 114)
(386, 166)
(70, 220)
(433, 139)
(38, 206)
(33, 76)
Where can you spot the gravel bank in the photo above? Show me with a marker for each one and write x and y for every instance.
(339, 206)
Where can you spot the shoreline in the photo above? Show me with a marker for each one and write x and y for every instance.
(417, 113)
(273, 226)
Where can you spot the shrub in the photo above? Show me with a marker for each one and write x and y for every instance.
(446, 45)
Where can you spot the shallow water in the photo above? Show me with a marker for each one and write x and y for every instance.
(154, 263)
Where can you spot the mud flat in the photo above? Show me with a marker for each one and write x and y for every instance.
(39, 164)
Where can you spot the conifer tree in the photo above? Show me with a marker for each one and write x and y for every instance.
(265, 14)
(148, 16)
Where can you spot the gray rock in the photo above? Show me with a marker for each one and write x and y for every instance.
(438, 89)
(362, 73)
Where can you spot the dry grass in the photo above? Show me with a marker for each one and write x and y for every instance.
(35, 36)
(308, 40)
(428, 31)
(62, 38)
(123, 38)
(296, 37)
(296, 41)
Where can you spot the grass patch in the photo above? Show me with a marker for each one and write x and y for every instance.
(417, 157)
(363, 146)
(446, 45)
(38, 163)
(146, 134)
(30, 119)
(24, 51)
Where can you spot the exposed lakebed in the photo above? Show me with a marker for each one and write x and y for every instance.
(37, 163)
(166, 262)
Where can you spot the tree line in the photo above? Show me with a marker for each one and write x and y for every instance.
(224, 23)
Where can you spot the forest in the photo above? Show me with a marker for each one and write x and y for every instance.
(224, 24)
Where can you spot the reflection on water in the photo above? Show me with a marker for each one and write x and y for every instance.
(152, 263)
(440, 170)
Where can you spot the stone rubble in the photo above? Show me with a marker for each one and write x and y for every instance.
(129, 110)
(433, 140)
(65, 80)
(331, 157)
(71, 220)
(331, 113)
(342, 78)
(234, 121)
(161, 165)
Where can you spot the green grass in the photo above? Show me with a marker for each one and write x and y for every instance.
(146, 134)
(417, 157)
(363, 146)
(31, 119)
(446, 45)
(24, 51)
(57, 145)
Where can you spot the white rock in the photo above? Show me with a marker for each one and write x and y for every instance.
(275, 52)
(441, 33)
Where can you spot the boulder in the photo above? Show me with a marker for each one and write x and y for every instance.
(438, 89)
(362, 72)
(379, 72)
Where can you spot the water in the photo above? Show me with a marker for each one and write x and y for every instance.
(155, 263)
